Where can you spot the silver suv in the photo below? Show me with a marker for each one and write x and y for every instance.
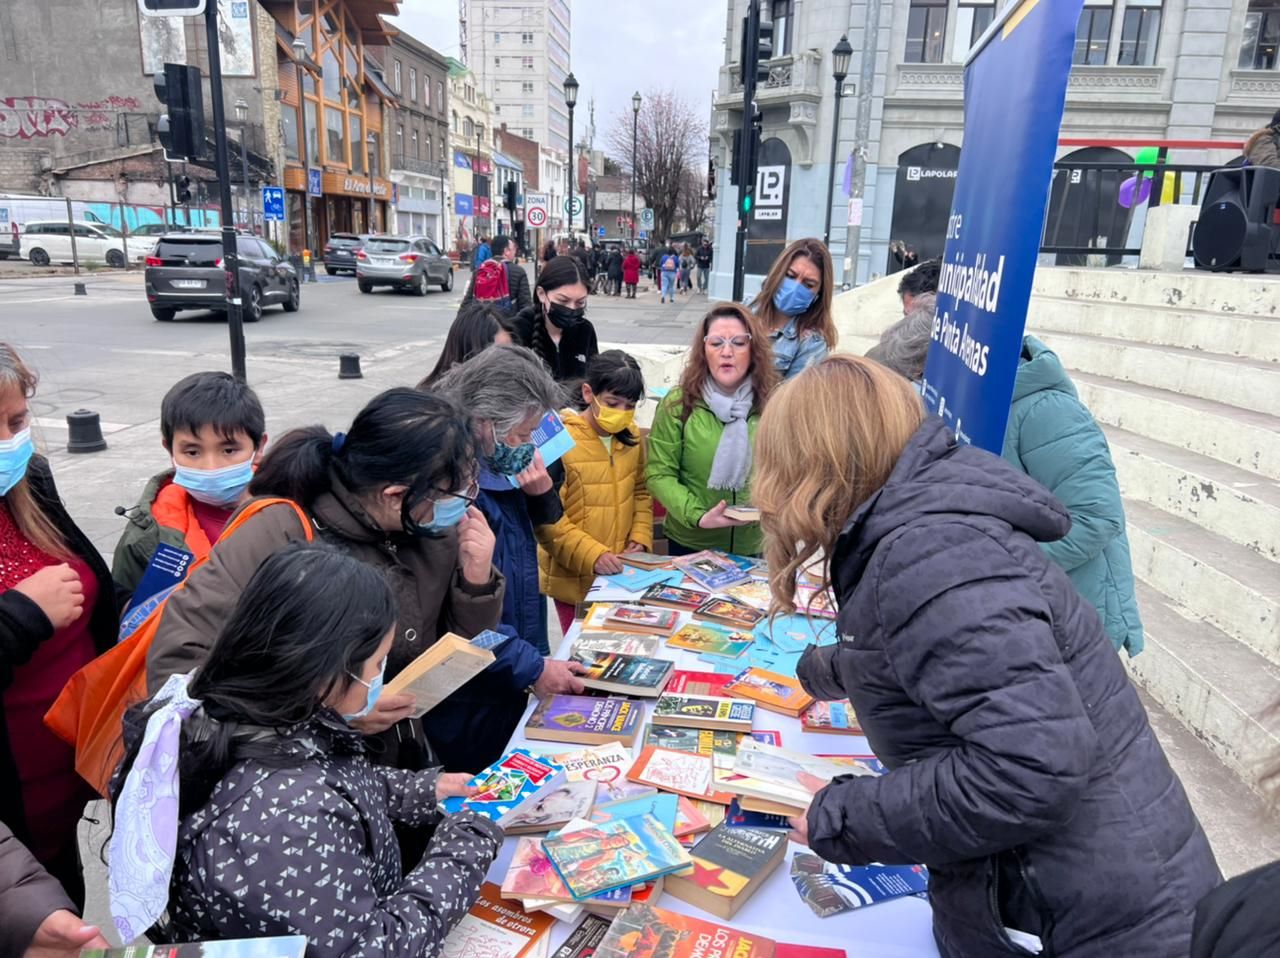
(405, 262)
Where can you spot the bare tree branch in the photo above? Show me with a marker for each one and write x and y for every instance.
(670, 139)
(693, 199)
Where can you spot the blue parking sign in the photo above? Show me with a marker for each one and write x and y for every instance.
(315, 183)
(600, 231)
(273, 203)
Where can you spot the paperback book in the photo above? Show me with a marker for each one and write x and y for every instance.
(674, 597)
(644, 560)
(704, 712)
(684, 773)
(618, 643)
(624, 674)
(614, 854)
(711, 570)
(607, 767)
(532, 879)
(686, 682)
(641, 618)
(814, 601)
(584, 720)
(496, 929)
(754, 592)
(644, 930)
(743, 513)
(450, 663)
(730, 612)
(506, 784)
(663, 807)
(739, 817)
(775, 692)
(585, 939)
(832, 889)
(711, 640)
(559, 802)
(780, 776)
(638, 580)
(830, 717)
(729, 864)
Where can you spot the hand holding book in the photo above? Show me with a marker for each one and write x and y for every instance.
(800, 823)
(559, 678)
(714, 518)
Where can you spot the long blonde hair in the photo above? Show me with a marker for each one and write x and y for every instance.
(818, 316)
(763, 373)
(828, 439)
(30, 519)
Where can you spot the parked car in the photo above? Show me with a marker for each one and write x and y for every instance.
(10, 237)
(405, 262)
(340, 252)
(49, 241)
(185, 272)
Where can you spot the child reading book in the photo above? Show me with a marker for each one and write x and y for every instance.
(607, 508)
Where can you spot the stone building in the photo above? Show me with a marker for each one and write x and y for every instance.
(471, 155)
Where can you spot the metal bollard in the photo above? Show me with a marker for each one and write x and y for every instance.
(84, 432)
(349, 366)
(80, 290)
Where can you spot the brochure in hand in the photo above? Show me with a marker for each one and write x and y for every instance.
(832, 889)
(614, 855)
(552, 440)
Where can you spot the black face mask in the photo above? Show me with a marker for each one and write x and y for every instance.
(563, 317)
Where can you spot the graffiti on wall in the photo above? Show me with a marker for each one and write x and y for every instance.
(28, 117)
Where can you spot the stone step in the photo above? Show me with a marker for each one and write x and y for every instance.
(1231, 334)
(1229, 502)
(1191, 290)
(1238, 437)
(1230, 380)
(1228, 585)
(1216, 686)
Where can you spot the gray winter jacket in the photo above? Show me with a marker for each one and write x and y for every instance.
(1023, 770)
(300, 842)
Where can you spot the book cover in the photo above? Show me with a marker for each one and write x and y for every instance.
(711, 570)
(489, 639)
(644, 560)
(683, 773)
(832, 889)
(814, 601)
(618, 643)
(719, 745)
(674, 597)
(626, 674)
(550, 807)
(711, 640)
(639, 618)
(690, 819)
(730, 612)
(738, 817)
(686, 682)
(743, 513)
(665, 808)
(779, 693)
(614, 854)
(167, 567)
(496, 929)
(588, 719)
(607, 766)
(807, 951)
(830, 717)
(754, 592)
(779, 775)
(583, 940)
(698, 711)
(728, 864)
(533, 878)
(284, 946)
(767, 736)
(450, 663)
(644, 931)
(552, 440)
(505, 784)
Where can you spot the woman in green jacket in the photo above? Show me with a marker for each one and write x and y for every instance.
(703, 432)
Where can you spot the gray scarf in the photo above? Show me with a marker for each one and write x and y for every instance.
(732, 463)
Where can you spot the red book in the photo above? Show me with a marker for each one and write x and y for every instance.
(684, 682)
(781, 950)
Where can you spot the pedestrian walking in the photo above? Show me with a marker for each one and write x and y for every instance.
(506, 283)
(1019, 755)
(631, 267)
(669, 266)
(483, 252)
(686, 268)
(613, 268)
(703, 257)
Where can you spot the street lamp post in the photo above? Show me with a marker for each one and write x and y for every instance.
(299, 51)
(372, 142)
(571, 100)
(635, 127)
(488, 193)
(839, 70)
(242, 117)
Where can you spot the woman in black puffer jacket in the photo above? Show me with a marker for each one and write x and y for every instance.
(1022, 768)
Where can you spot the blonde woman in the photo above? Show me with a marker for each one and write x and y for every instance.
(794, 304)
(1022, 768)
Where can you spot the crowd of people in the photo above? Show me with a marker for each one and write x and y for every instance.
(982, 602)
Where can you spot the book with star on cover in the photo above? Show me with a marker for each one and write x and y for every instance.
(729, 864)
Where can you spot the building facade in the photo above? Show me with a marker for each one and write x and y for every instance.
(1164, 69)
(471, 158)
(419, 138)
(507, 170)
(519, 51)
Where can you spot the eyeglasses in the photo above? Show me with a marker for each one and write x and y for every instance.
(471, 494)
(719, 342)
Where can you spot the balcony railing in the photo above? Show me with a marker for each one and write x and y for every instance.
(791, 76)
(412, 164)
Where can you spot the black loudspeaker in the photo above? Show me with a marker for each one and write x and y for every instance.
(1237, 230)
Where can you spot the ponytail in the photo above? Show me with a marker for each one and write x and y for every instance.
(296, 466)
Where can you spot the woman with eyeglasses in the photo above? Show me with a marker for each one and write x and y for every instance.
(396, 491)
(703, 432)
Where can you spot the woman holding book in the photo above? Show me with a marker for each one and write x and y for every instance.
(607, 507)
(1022, 768)
(253, 759)
(794, 306)
(703, 431)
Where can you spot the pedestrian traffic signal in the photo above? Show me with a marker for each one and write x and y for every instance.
(184, 189)
(711, 179)
(181, 127)
(510, 191)
(746, 204)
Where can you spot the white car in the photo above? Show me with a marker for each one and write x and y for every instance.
(49, 241)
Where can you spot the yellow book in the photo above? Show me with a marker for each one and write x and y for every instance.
(440, 671)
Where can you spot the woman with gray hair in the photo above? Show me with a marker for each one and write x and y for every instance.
(507, 390)
(904, 345)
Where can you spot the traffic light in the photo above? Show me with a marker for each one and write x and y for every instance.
(711, 179)
(181, 126)
(184, 189)
(510, 190)
(764, 51)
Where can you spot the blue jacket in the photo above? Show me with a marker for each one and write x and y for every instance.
(1022, 767)
(794, 353)
(1054, 439)
(511, 515)
(482, 253)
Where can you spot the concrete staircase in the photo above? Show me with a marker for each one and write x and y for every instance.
(1183, 372)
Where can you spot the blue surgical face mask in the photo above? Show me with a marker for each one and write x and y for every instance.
(445, 514)
(793, 297)
(215, 487)
(509, 460)
(15, 454)
(371, 697)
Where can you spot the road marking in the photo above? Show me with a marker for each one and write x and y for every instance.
(28, 302)
(149, 352)
(45, 422)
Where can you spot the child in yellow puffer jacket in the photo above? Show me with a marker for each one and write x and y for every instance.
(607, 507)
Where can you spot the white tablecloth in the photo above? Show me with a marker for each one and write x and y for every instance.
(894, 929)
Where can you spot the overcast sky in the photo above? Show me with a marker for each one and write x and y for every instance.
(617, 49)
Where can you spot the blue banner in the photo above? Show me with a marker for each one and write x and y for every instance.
(461, 160)
(462, 204)
(1014, 90)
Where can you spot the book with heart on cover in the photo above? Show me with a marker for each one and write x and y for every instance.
(606, 766)
(450, 663)
(614, 854)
